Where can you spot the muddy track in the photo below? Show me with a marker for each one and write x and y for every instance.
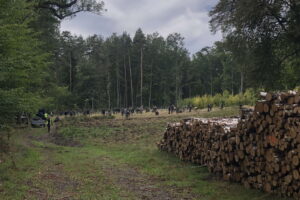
(52, 182)
(140, 185)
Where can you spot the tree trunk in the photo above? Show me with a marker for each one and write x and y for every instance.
(211, 84)
(125, 80)
(108, 89)
(242, 83)
(176, 90)
(70, 71)
(92, 104)
(232, 90)
(118, 89)
(131, 87)
(136, 94)
(150, 88)
(141, 76)
(176, 82)
(28, 119)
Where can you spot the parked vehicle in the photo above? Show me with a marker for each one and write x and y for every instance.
(38, 122)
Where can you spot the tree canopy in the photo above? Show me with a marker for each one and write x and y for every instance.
(40, 67)
(69, 8)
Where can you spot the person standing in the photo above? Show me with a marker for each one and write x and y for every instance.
(127, 114)
(222, 105)
(49, 124)
(190, 107)
(209, 106)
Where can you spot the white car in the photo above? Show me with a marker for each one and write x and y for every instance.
(38, 122)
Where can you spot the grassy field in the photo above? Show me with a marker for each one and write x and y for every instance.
(98, 158)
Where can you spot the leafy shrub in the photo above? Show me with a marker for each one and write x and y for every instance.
(248, 98)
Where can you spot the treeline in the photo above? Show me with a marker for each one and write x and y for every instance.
(43, 68)
(122, 71)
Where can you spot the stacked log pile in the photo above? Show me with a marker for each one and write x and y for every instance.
(262, 151)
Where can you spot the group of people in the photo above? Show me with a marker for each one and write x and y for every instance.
(124, 112)
(172, 108)
(129, 111)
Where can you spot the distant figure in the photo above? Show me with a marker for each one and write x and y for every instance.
(49, 124)
(103, 112)
(156, 113)
(178, 110)
(209, 107)
(132, 110)
(127, 113)
(173, 108)
(45, 116)
(57, 119)
(140, 109)
(190, 107)
(222, 105)
(169, 109)
(241, 106)
(154, 109)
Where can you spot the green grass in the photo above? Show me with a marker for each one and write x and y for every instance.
(85, 169)
(12, 179)
(119, 144)
(88, 132)
(183, 175)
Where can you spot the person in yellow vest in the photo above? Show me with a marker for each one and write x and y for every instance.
(45, 119)
(49, 124)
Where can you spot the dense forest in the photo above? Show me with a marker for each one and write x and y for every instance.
(42, 67)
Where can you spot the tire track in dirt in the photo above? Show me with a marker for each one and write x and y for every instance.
(50, 182)
(140, 185)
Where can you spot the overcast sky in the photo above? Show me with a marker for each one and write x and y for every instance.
(187, 17)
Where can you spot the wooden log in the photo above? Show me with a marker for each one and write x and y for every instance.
(259, 106)
(262, 151)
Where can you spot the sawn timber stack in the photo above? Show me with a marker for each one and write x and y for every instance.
(261, 151)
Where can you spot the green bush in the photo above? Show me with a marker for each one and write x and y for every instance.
(248, 98)
(71, 132)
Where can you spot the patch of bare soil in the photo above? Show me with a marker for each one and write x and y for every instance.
(140, 185)
(52, 183)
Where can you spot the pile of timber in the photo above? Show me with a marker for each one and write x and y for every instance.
(262, 151)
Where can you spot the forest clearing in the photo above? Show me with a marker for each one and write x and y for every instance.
(111, 159)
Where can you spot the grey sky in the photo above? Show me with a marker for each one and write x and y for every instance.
(187, 17)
